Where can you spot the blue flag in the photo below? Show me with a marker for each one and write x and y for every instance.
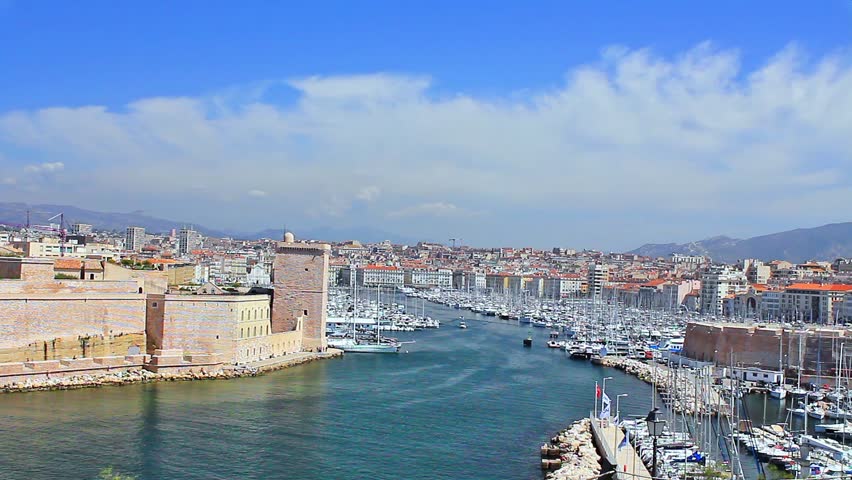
(625, 440)
(604, 406)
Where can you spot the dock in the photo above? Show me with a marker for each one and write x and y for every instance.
(625, 461)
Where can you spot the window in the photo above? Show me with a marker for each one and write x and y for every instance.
(242, 316)
(241, 333)
(306, 312)
(255, 331)
(154, 304)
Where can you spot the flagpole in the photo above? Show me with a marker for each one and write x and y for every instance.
(596, 399)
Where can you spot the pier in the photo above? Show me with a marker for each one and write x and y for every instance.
(625, 462)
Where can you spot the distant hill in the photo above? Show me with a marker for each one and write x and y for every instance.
(16, 214)
(827, 242)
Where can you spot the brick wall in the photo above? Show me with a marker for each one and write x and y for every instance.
(75, 347)
(29, 269)
(762, 346)
(35, 318)
(301, 290)
(20, 287)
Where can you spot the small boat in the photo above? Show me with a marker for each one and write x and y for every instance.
(778, 391)
(555, 344)
(816, 412)
(528, 341)
(462, 325)
(799, 392)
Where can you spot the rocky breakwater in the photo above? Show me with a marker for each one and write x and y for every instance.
(571, 454)
(679, 391)
(120, 378)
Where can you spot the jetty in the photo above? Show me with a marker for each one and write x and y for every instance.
(624, 461)
(685, 391)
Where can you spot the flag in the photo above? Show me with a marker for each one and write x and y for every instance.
(597, 390)
(625, 440)
(604, 406)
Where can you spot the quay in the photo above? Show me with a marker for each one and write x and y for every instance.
(682, 389)
(625, 462)
(589, 449)
(141, 375)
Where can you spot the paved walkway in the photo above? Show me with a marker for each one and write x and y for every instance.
(293, 358)
(627, 464)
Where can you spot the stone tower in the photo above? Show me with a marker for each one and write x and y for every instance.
(300, 281)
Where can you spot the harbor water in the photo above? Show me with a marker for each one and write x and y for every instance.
(457, 404)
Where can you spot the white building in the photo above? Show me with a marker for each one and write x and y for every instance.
(598, 276)
(694, 260)
(202, 274)
(717, 282)
(134, 239)
(423, 277)
(563, 286)
(381, 276)
(756, 271)
(81, 229)
(813, 302)
(258, 276)
(188, 240)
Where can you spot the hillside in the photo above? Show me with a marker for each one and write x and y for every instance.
(827, 242)
(16, 214)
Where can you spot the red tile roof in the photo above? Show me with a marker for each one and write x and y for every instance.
(828, 287)
(67, 264)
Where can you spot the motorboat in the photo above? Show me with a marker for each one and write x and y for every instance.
(462, 325)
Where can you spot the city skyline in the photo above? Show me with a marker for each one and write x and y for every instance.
(635, 134)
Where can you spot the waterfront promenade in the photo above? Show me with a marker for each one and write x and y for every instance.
(625, 460)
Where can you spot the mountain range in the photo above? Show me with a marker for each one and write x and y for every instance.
(13, 213)
(827, 242)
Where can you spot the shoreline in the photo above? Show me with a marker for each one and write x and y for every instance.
(571, 453)
(132, 377)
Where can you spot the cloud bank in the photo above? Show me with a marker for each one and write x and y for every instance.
(633, 148)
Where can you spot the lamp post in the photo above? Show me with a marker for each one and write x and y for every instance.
(655, 429)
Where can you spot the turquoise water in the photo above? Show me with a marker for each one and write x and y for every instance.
(461, 404)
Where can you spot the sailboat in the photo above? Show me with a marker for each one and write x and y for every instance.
(356, 346)
(778, 391)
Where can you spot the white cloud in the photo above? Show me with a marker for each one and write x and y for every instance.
(257, 193)
(8, 181)
(692, 139)
(49, 167)
(368, 194)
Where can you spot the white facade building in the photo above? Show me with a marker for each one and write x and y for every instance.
(598, 276)
(134, 238)
(717, 282)
(381, 276)
(422, 277)
(188, 240)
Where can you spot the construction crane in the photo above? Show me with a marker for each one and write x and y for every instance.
(63, 233)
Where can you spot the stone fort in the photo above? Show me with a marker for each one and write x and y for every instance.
(128, 319)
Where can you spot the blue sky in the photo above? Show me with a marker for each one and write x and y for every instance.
(510, 116)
